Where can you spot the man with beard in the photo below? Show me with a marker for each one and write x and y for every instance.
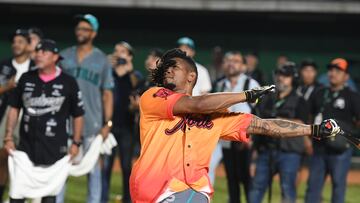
(10, 71)
(90, 66)
(281, 156)
(178, 132)
(48, 98)
(333, 157)
(236, 155)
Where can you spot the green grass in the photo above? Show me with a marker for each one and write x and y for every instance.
(76, 191)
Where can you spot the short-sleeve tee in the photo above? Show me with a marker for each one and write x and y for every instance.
(176, 150)
(8, 71)
(93, 75)
(47, 108)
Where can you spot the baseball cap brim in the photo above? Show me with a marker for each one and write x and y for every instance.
(331, 66)
(92, 20)
(20, 32)
(186, 41)
(283, 72)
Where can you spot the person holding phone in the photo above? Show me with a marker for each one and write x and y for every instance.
(126, 80)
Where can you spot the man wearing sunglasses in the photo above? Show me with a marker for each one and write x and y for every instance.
(89, 65)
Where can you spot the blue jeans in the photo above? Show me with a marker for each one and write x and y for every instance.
(94, 179)
(321, 164)
(286, 164)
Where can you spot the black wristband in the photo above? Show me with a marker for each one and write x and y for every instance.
(315, 131)
(248, 95)
(77, 143)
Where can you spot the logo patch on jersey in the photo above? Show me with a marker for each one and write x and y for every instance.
(38, 106)
(163, 93)
(202, 122)
(339, 103)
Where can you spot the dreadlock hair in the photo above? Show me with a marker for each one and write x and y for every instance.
(168, 60)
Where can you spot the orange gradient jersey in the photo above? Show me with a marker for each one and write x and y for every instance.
(176, 150)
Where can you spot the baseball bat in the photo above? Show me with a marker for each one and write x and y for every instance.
(353, 140)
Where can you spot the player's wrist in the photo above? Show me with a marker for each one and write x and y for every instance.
(249, 96)
(327, 128)
(315, 132)
(77, 143)
(108, 124)
(254, 94)
(8, 139)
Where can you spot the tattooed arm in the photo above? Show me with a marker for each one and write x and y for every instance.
(278, 128)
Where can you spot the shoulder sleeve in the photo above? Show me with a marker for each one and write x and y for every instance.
(15, 95)
(76, 103)
(158, 103)
(233, 125)
(107, 77)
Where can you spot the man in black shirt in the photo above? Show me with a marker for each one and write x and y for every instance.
(279, 155)
(48, 98)
(308, 84)
(10, 71)
(9, 68)
(308, 88)
(333, 155)
(126, 80)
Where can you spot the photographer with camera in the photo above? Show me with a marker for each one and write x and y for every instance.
(281, 156)
(126, 80)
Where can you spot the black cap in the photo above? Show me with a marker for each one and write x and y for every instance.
(36, 31)
(287, 69)
(48, 45)
(308, 62)
(21, 32)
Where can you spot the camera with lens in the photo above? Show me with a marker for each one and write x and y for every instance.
(121, 61)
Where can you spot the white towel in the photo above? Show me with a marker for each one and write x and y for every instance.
(29, 181)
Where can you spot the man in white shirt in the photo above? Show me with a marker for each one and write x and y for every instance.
(10, 71)
(236, 155)
(12, 68)
(203, 84)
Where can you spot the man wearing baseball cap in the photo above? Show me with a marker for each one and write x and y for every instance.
(203, 84)
(12, 68)
(308, 84)
(10, 71)
(90, 66)
(281, 156)
(333, 156)
(324, 79)
(48, 98)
